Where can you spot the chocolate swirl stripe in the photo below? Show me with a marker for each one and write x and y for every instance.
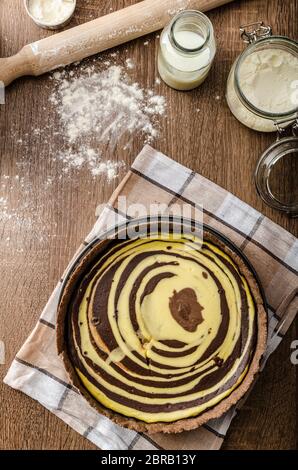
(163, 328)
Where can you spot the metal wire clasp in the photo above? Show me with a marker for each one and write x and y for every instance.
(253, 31)
(287, 126)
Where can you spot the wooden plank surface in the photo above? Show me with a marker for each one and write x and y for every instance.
(40, 230)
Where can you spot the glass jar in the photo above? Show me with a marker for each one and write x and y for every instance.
(262, 81)
(276, 174)
(187, 50)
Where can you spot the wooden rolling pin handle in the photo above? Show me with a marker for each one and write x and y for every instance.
(96, 36)
(15, 66)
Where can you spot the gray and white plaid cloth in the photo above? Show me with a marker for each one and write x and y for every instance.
(38, 371)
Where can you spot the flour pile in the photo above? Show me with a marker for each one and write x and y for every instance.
(103, 109)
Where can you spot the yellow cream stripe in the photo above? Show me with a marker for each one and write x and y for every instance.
(154, 417)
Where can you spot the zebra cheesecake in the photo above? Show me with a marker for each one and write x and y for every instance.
(162, 333)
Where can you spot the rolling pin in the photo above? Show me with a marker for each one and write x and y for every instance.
(96, 36)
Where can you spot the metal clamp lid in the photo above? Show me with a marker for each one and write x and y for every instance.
(251, 32)
(290, 127)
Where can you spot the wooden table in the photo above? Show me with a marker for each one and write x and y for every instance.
(40, 229)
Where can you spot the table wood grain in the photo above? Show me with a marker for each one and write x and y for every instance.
(40, 229)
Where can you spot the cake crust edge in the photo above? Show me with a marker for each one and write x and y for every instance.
(185, 424)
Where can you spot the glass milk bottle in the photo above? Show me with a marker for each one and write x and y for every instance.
(187, 50)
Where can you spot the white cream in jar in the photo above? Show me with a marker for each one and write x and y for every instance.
(187, 50)
(51, 12)
(260, 85)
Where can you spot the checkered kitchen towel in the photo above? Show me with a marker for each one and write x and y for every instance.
(37, 370)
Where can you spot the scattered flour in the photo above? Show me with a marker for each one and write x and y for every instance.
(88, 157)
(129, 64)
(106, 104)
(100, 109)
(20, 213)
(97, 110)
